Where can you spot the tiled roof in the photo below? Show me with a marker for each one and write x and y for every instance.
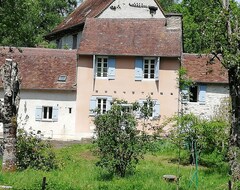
(199, 70)
(40, 68)
(87, 9)
(143, 37)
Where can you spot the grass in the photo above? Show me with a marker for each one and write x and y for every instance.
(80, 173)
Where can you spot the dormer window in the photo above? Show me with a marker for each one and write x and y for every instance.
(62, 78)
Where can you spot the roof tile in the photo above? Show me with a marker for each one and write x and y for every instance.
(40, 68)
(140, 37)
(200, 70)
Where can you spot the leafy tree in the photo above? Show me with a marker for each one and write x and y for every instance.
(228, 45)
(24, 22)
(120, 144)
(167, 4)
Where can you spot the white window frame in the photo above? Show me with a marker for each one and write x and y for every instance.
(127, 108)
(103, 70)
(149, 71)
(102, 105)
(48, 111)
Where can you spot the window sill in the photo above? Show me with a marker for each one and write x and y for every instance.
(149, 80)
(102, 78)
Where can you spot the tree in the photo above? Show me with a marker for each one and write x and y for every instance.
(230, 50)
(120, 145)
(24, 22)
(167, 4)
(8, 112)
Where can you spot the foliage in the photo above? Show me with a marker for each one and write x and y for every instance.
(33, 152)
(210, 136)
(203, 24)
(167, 4)
(120, 144)
(24, 22)
(183, 79)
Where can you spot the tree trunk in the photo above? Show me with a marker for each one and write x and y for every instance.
(9, 109)
(234, 143)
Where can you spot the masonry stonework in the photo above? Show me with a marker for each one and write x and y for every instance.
(215, 93)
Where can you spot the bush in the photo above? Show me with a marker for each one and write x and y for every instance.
(209, 138)
(120, 145)
(33, 152)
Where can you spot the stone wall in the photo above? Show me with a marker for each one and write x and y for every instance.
(215, 94)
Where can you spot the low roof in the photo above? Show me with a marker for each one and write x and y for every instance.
(138, 37)
(87, 9)
(200, 70)
(40, 68)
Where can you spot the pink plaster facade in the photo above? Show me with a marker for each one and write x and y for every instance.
(124, 86)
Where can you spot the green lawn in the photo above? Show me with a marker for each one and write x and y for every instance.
(79, 172)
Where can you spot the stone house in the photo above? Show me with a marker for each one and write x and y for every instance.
(210, 85)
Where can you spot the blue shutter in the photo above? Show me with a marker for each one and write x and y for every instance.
(156, 110)
(111, 68)
(202, 94)
(38, 113)
(139, 69)
(156, 70)
(109, 101)
(185, 95)
(93, 105)
(55, 114)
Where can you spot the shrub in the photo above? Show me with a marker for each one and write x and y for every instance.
(33, 152)
(120, 145)
(208, 137)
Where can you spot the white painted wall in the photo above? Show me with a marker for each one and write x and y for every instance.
(215, 93)
(124, 10)
(64, 128)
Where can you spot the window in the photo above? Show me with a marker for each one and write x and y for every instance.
(59, 43)
(149, 68)
(74, 45)
(198, 94)
(47, 113)
(127, 108)
(102, 67)
(193, 93)
(102, 105)
(62, 78)
(151, 108)
(148, 106)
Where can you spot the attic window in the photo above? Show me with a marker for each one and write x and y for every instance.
(62, 78)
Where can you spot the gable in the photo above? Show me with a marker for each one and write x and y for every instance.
(105, 9)
(133, 9)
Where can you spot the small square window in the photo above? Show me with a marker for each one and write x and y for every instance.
(62, 78)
